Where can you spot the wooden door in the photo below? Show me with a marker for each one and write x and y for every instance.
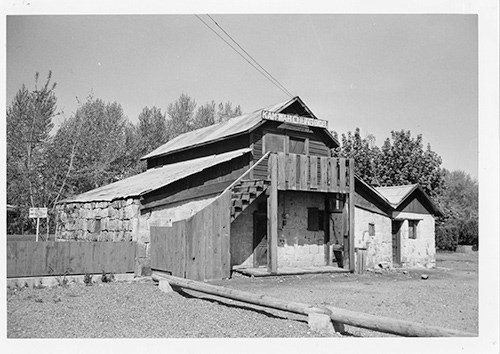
(259, 239)
(396, 242)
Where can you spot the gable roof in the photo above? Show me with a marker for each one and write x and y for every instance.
(154, 178)
(232, 127)
(397, 195)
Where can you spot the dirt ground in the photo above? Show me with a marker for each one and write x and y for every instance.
(448, 298)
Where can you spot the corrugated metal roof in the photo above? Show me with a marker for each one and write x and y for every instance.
(396, 194)
(154, 178)
(233, 126)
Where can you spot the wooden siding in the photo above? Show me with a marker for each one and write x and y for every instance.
(413, 205)
(196, 248)
(28, 259)
(219, 147)
(310, 173)
(209, 181)
(315, 145)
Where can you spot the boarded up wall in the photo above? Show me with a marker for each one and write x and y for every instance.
(27, 258)
(196, 248)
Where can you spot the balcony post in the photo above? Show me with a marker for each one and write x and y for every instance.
(351, 215)
(272, 216)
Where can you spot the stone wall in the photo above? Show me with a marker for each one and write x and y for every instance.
(379, 246)
(98, 221)
(297, 246)
(420, 251)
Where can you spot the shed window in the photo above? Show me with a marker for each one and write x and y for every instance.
(297, 146)
(412, 229)
(274, 142)
(371, 229)
(315, 219)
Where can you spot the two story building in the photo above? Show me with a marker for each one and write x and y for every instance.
(261, 191)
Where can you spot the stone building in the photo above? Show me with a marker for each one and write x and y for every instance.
(260, 191)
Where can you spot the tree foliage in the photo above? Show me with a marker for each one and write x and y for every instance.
(29, 122)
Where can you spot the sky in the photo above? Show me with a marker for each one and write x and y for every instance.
(376, 72)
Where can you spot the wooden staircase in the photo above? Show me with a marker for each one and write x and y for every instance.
(244, 193)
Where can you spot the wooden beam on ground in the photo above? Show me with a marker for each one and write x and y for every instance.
(272, 217)
(357, 319)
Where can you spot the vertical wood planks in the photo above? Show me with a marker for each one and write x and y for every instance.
(351, 214)
(291, 171)
(323, 183)
(27, 258)
(342, 175)
(272, 217)
(314, 172)
(282, 177)
(304, 171)
(225, 234)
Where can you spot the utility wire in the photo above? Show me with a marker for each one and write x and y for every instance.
(248, 54)
(241, 55)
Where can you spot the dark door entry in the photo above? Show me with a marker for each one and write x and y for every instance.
(259, 239)
(396, 242)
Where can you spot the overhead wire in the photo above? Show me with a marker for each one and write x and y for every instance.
(248, 54)
(270, 78)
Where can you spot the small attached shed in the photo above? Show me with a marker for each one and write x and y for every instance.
(395, 225)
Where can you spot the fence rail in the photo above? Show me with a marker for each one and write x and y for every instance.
(28, 258)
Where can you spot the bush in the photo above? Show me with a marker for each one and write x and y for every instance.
(447, 237)
(469, 232)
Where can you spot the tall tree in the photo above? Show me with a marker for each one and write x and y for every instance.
(404, 161)
(181, 114)
(364, 152)
(29, 122)
(226, 111)
(93, 143)
(151, 129)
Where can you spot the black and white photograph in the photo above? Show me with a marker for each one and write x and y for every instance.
(272, 177)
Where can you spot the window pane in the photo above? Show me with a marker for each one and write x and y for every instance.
(274, 142)
(312, 219)
(297, 146)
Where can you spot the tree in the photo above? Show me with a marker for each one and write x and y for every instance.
(226, 111)
(93, 144)
(29, 122)
(365, 154)
(404, 161)
(459, 201)
(181, 114)
(151, 129)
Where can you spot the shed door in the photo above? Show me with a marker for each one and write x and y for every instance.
(396, 242)
(259, 239)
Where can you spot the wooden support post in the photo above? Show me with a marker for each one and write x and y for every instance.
(272, 217)
(351, 215)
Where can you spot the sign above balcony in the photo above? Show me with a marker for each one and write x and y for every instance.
(280, 117)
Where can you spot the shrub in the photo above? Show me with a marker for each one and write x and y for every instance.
(447, 236)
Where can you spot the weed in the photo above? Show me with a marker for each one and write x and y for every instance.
(87, 279)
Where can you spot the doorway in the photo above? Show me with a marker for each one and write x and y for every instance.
(396, 242)
(259, 238)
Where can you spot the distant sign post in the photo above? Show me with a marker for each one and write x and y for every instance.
(39, 213)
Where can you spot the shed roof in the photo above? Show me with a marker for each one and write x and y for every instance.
(396, 195)
(232, 127)
(154, 178)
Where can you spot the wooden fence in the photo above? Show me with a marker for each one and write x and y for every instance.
(27, 258)
(198, 247)
(314, 173)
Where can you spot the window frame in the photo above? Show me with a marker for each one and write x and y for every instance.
(371, 229)
(412, 229)
(315, 219)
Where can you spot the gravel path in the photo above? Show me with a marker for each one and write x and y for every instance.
(135, 310)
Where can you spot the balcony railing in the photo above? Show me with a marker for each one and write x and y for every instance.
(313, 173)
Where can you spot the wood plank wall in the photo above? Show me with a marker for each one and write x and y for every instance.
(28, 258)
(196, 248)
(312, 173)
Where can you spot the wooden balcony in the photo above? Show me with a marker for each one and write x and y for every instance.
(313, 173)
